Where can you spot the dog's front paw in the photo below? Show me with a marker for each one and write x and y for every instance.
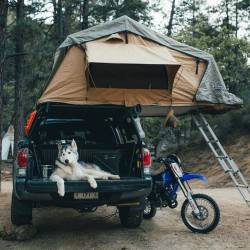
(116, 177)
(105, 177)
(61, 193)
(93, 184)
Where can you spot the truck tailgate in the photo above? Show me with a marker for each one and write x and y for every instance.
(122, 185)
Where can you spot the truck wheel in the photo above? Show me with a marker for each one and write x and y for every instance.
(21, 211)
(130, 218)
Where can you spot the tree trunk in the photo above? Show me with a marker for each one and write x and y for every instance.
(54, 11)
(227, 15)
(170, 23)
(84, 14)
(3, 24)
(19, 62)
(193, 18)
(60, 21)
(236, 18)
(68, 18)
(55, 19)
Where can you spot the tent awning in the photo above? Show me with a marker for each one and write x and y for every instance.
(120, 65)
(128, 54)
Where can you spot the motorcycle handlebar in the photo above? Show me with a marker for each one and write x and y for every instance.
(162, 160)
(169, 159)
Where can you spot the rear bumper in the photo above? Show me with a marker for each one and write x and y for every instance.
(111, 192)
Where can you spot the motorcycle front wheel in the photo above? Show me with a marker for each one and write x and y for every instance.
(208, 218)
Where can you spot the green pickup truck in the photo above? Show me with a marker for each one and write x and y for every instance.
(106, 135)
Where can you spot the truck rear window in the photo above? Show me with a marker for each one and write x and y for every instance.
(99, 132)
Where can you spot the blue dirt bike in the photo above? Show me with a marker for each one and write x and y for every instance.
(199, 212)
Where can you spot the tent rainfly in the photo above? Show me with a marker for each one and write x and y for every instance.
(8, 144)
(122, 62)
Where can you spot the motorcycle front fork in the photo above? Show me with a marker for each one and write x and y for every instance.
(187, 191)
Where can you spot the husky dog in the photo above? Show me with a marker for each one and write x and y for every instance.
(69, 168)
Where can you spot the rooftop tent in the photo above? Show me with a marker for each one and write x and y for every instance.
(122, 62)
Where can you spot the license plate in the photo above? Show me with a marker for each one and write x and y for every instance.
(86, 196)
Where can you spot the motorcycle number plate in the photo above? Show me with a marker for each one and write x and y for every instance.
(86, 196)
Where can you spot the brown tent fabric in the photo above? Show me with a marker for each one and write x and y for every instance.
(74, 75)
(70, 84)
(186, 81)
(128, 97)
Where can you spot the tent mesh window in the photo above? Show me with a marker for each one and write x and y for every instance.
(128, 76)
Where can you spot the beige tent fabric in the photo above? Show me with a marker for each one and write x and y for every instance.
(121, 53)
(123, 30)
(114, 38)
(128, 97)
(69, 84)
(186, 80)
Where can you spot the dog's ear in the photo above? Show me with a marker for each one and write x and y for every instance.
(74, 146)
(59, 146)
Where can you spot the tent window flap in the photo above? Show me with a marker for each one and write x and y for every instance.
(128, 76)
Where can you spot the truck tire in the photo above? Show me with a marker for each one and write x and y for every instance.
(21, 211)
(130, 218)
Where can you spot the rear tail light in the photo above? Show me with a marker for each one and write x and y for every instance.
(146, 161)
(22, 161)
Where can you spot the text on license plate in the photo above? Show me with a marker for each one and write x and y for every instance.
(86, 196)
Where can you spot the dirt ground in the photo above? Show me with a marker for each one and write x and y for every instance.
(67, 229)
(201, 160)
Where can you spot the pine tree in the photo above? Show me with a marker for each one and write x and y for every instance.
(3, 25)
(19, 62)
(171, 19)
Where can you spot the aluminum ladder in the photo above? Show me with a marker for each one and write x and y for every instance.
(227, 163)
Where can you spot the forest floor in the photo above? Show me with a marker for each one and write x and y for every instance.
(67, 229)
(60, 228)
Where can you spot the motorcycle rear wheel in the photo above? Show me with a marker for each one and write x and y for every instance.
(209, 218)
(149, 211)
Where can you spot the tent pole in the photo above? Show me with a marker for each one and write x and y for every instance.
(126, 37)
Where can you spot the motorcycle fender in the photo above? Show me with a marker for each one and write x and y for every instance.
(190, 176)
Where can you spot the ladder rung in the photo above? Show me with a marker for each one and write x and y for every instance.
(242, 186)
(212, 141)
(229, 170)
(236, 171)
(222, 157)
